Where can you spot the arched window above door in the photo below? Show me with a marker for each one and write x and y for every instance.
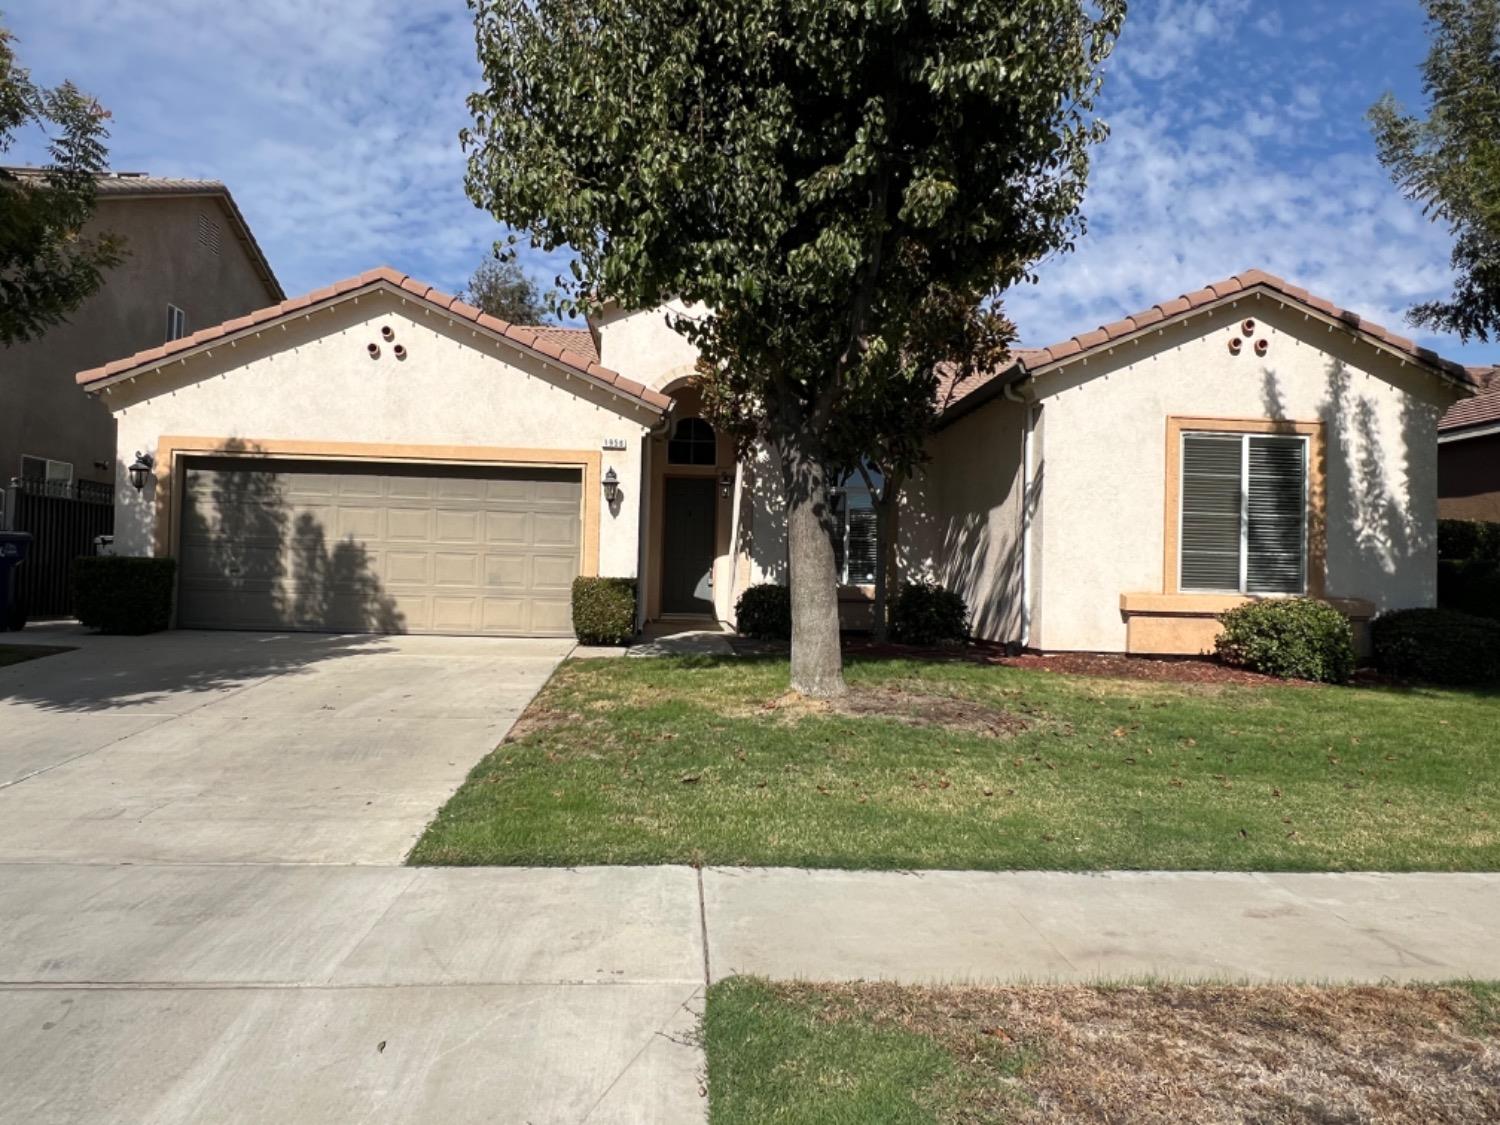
(693, 443)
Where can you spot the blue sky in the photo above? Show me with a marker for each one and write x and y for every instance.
(1238, 140)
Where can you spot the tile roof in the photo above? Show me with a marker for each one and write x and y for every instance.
(579, 341)
(562, 346)
(136, 185)
(1481, 410)
(1031, 361)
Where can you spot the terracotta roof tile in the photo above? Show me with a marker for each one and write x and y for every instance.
(572, 348)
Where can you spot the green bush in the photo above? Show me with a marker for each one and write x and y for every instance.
(1437, 645)
(925, 613)
(1294, 638)
(1469, 541)
(765, 612)
(604, 610)
(123, 594)
(1469, 586)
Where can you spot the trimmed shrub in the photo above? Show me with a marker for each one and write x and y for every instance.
(1437, 645)
(1469, 541)
(1469, 586)
(1294, 638)
(925, 613)
(603, 610)
(123, 594)
(764, 612)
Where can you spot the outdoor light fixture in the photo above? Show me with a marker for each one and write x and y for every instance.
(140, 470)
(726, 485)
(611, 487)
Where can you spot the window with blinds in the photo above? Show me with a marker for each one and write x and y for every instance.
(856, 545)
(1244, 514)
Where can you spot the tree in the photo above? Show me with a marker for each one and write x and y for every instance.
(1450, 162)
(47, 265)
(824, 179)
(499, 288)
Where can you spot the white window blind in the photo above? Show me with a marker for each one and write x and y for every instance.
(857, 542)
(1244, 513)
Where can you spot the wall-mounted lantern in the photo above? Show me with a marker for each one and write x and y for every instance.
(726, 484)
(611, 487)
(140, 470)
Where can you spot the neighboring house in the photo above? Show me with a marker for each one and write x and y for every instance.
(191, 261)
(377, 455)
(1469, 456)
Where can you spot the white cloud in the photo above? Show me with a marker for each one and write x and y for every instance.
(335, 125)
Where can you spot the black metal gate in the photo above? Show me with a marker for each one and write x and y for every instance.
(64, 519)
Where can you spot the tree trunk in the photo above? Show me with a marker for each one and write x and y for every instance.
(817, 663)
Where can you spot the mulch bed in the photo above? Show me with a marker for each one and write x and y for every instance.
(1110, 665)
(1106, 665)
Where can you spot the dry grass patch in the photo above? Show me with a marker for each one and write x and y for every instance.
(1207, 1054)
(903, 703)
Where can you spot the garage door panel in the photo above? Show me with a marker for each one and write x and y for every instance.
(506, 571)
(409, 523)
(363, 524)
(456, 527)
(410, 568)
(453, 569)
(553, 572)
(403, 548)
(549, 530)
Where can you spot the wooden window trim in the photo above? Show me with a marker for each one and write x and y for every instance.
(1317, 521)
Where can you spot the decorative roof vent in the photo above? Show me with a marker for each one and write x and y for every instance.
(209, 234)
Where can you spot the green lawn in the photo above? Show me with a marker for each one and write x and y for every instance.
(957, 765)
(838, 1054)
(17, 654)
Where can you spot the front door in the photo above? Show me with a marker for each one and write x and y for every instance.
(688, 545)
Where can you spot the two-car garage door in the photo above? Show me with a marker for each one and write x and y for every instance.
(385, 548)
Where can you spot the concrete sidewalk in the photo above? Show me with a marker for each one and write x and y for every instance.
(941, 926)
(305, 994)
(309, 993)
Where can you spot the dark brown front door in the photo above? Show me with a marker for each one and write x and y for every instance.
(688, 545)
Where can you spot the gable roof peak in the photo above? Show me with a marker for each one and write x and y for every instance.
(543, 341)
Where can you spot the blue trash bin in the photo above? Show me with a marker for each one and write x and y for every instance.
(14, 547)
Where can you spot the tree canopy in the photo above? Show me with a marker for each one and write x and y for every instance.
(47, 265)
(843, 187)
(1449, 162)
(500, 288)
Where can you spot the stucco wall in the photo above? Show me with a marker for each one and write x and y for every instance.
(314, 381)
(970, 528)
(1469, 478)
(641, 346)
(1102, 461)
(45, 414)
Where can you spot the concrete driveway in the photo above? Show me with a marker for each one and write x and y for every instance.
(190, 747)
(205, 916)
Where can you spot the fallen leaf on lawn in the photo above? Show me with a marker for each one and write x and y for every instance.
(689, 778)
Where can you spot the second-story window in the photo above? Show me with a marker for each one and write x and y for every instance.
(176, 323)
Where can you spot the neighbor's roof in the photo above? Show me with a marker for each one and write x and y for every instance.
(138, 185)
(548, 342)
(579, 341)
(1481, 410)
(1033, 361)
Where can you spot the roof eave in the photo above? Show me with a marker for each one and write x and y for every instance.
(1444, 369)
(335, 295)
